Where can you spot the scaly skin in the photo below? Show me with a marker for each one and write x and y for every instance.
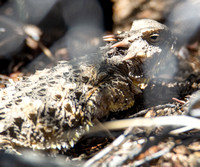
(54, 107)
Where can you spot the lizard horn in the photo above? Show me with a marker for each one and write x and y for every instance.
(122, 44)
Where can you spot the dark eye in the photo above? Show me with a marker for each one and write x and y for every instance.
(154, 38)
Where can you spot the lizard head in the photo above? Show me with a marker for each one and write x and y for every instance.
(149, 41)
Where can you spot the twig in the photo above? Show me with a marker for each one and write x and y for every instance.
(167, 121)
(143, 112)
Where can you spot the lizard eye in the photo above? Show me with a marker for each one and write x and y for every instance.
(154, 38)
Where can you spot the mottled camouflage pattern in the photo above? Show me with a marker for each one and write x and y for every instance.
(54, 107)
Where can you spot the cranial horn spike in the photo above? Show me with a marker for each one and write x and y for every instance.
(108, 36)
(129, 56)
(141, 54)
(122, 44)
(109, 39)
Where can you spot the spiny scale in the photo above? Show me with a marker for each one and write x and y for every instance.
(54, 107)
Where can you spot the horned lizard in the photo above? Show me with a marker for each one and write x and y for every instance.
(53, 108)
